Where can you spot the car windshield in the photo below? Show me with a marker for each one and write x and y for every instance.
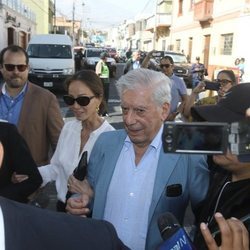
(94, 53)
(49, 51)
(179, 58)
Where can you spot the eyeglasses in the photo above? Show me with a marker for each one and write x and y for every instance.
(11, 67)
(223, 82)
(165, 65)
(81, 100)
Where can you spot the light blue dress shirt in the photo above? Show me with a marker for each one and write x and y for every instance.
(130, 193)
(178, 89)
(10, 107)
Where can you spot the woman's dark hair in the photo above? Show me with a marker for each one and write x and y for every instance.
(92, 81)
(230, 74)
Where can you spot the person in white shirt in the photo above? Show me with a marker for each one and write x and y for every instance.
(85, 99)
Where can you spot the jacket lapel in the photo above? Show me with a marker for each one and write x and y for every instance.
(27, 102)
(166, 165)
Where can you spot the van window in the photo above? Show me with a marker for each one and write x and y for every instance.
(49, 51)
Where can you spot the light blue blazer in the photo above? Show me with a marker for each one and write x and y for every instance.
(188, 170)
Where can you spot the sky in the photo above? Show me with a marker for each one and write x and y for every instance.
(103, 14)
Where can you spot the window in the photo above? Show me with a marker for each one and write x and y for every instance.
(226, 44)
(163, 45)
(180, 12)
(178, 45)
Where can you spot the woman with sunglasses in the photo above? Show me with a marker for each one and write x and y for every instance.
(85, 100)
(225, 78)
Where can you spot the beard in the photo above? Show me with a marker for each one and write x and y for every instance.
(16, 82)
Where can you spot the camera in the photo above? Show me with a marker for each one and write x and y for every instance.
(212, 85)
(206, 137)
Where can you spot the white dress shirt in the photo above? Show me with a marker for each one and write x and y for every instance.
(67, 155)
(2, 235)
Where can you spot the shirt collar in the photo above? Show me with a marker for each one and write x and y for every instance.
(4, 91)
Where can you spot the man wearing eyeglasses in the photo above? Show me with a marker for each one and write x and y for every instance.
(178, 88)
(34, 110)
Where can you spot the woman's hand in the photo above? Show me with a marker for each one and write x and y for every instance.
(18, 178)
(199, 88)
(79, 187)
(234, 235)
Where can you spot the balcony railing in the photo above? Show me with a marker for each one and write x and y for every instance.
(161, 20)
(203, 10)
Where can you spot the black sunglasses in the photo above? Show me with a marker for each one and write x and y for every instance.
(165, 65)
(11, 67)
(81, 100)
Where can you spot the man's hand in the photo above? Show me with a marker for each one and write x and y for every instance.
(234, 235)
(78, 205)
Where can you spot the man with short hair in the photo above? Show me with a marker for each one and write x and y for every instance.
(198, 71)
(133, 63)
(34, 110)
(178, 88)
(134, 181)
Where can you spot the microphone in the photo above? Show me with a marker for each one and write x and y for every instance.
(173, 235)
(80, 171)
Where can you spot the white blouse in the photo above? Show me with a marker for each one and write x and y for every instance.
(66, 156)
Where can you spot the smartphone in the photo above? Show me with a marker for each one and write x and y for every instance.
(198, 138)
(212, 85)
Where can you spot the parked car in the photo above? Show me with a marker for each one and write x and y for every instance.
(182, 68)
(91, 56)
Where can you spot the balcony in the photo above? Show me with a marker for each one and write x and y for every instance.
(162, 20)
(203, 11)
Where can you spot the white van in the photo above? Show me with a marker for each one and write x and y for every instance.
(51, 60)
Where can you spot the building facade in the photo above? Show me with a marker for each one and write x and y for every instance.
(17, 23)
(214, 30)
(44, 10)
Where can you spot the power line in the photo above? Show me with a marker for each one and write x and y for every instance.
(148, 2)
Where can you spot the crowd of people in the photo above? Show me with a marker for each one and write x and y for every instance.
(130, 181)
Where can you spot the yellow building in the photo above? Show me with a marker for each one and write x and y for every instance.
(44, 10)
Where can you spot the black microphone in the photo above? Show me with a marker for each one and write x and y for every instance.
(80, 171)
(173, 235)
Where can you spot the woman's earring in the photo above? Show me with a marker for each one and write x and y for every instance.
(97, 109)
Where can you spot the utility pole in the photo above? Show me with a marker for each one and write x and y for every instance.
(155, 24)
(73, 23)
(54, 27)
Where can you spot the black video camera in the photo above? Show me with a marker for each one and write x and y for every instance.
(207, 137)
